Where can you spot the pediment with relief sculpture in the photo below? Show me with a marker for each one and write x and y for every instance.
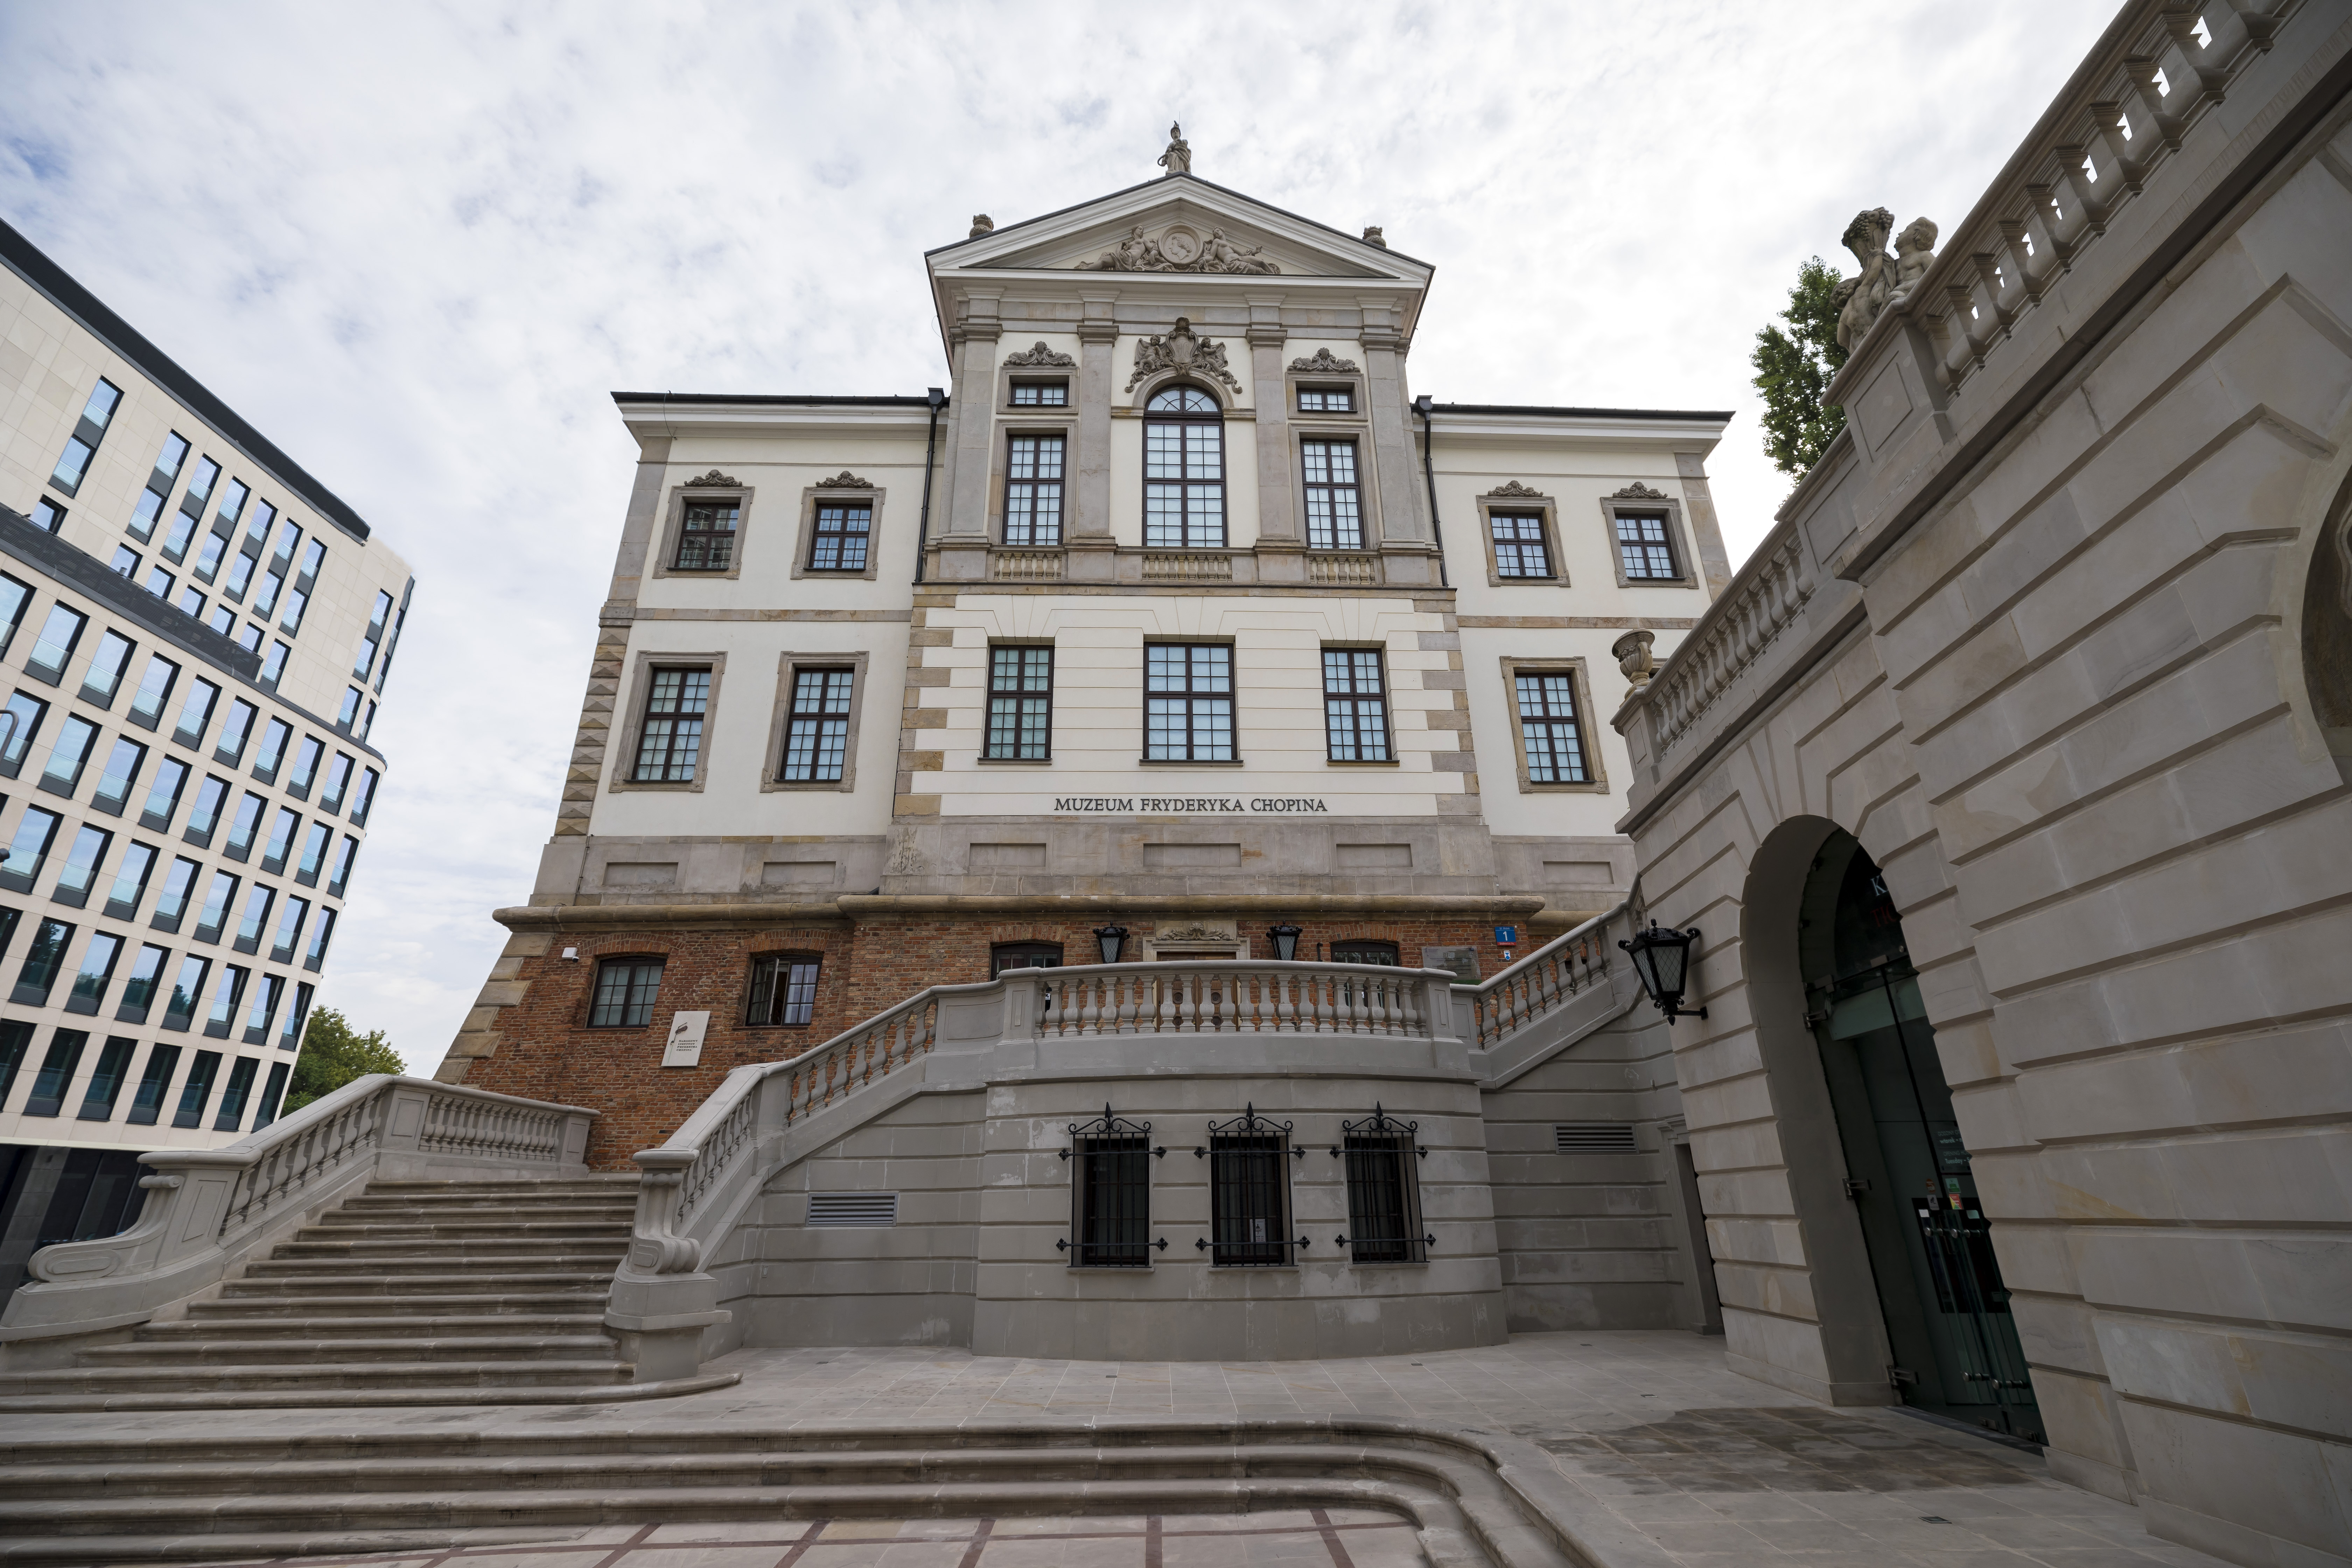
(1177, 226)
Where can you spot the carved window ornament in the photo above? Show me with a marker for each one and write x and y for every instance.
(845, 481)
(1038, 356)
(1183, 351)
(1637, 491)
(714, 480)
(1322, 361)
(1513, 489)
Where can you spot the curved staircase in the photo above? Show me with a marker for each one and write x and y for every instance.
(412, 1292)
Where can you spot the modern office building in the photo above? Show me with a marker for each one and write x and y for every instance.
(195, 636)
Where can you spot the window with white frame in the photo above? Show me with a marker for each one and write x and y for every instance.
(1335, 513)
(1032, 492)
(1183, 471)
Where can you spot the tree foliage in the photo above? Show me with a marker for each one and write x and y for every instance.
(1792, 368)
(333, 1054)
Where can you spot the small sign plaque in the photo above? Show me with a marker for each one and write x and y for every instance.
(684, 1047)
(1506, 936)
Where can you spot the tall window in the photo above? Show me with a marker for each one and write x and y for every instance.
(1355, 705)
(706, 542)
(817, 731)
(671, 743)
(1032, 492)
(1249, 1186)
(88, 430)
(1188, 702)
(1644, 547)
(1520, 549)
(1384, 1199)
(843, 532)
(1019, 704)
(625, 988)
(158, 493)
(783, 989)
(1183, 472)
(1335, 518)
(1548, 727)
(1110, 1209)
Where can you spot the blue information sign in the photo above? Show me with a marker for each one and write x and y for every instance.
(1506, 935)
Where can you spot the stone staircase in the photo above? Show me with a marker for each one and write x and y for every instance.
(412, 1293)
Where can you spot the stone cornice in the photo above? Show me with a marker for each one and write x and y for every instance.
(872, 906)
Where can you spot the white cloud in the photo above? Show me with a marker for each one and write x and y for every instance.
(417, 247)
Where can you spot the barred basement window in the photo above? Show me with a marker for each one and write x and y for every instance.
(1249, 1187)
(1032, 492)
(1110, 1197)
(783, 989)
(707, 541)
(1519, 544)
(1355, 705)
(1594, 1138)
(1548, 727)
(671, 743)
(829, 1211)
(816, 733)
(1335, 514)
(1644, 547)
(1019, 704)
(1383, 1189)
(625, 988)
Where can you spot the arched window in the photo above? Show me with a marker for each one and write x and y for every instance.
(1183, 471)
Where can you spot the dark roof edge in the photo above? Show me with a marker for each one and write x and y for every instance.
(52, 557)
(793, 400)
(1696, 416)
(30, 262)
(1162, 180)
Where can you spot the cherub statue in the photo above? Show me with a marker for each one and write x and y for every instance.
(1177, 159)
(1915, 252)
(1860, 298)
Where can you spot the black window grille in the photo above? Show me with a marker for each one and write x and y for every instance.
(1183, 472)
(1383, 954)
(1355, 705)
(1249, 1192)
(1111, 1196)
(1021, 704)
(783, 988)
(1383, 1189)
(671, 743)
(707, 540)
(1643, 546)
(1335, 513)
(843, 532)
(817, 731)
(625, 988)
(1007, 955)
(1188, 703)
(1032, 492)
(1519, 549)
(1548, 727)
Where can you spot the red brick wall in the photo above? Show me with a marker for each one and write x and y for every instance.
(547, 1051)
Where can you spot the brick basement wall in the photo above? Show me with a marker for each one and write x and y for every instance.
(536, 1041)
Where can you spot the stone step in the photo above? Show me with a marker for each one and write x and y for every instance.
(174, 1353)
(574, 1186)
(491, 1241)
(330, 1376)
(359, 1212)
(576, 1264)
(525, 1302)
(262, 1546)
(361, 1325)
(116, 1396)
(490, 1282)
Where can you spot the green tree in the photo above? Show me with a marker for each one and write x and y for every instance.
(1792, 368)
(333, 1054)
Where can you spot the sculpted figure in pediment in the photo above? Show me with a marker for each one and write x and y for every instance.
(1222, 254)
(1133, 254)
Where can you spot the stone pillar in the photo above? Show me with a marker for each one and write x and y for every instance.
(1281, 551)
(961, 536)
(1404, 514)
(1090, 544)
(1714, 561)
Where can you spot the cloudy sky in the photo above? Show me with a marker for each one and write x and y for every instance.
(419, 245)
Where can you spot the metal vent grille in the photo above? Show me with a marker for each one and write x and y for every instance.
(853, 1208)
(1593, 1138)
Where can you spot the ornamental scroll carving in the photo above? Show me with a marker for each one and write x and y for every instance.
(1513, 488)
(1040, 355)
(1323, 363)
(1179, 249)
(714, 479)
(845, 481)
(1182, 350)
(1637, 491)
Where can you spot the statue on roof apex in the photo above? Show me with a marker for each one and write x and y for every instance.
(1177, 159)
(980, 224)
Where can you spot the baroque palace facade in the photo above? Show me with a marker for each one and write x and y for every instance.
(1183, 618)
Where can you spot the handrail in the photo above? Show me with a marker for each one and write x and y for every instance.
(1211, 996)
(1548, 978)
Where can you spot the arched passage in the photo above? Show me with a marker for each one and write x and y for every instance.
(1948, 1326)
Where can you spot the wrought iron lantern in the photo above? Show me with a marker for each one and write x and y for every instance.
(1661, 959)
(1111, 938)
(1285, 942)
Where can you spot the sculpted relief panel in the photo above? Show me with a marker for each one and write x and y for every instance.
(1179, 249)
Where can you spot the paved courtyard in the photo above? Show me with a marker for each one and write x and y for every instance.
(1648, 1429)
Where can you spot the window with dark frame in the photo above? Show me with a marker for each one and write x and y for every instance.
(670, 745)
(1188, 702)
(1183, 471)
(1110, 1198)
(1355, 705)
(1383, 1189)
(1362, 951)
(1326, 400)
(1041, 393)
(626, 989)
(816, 726)
(1249, 1192)
(706, 535)
(1335, 513)
(87, 432)
(1004, 955)
(158, 493)
(1019, 704)
(1519, 548)
(843, 530)
(1644, 546)
(1032, 492)
(783, 989)
(1549, 736)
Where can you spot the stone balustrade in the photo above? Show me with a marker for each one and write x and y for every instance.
(1570, 966)
(1767, 594)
